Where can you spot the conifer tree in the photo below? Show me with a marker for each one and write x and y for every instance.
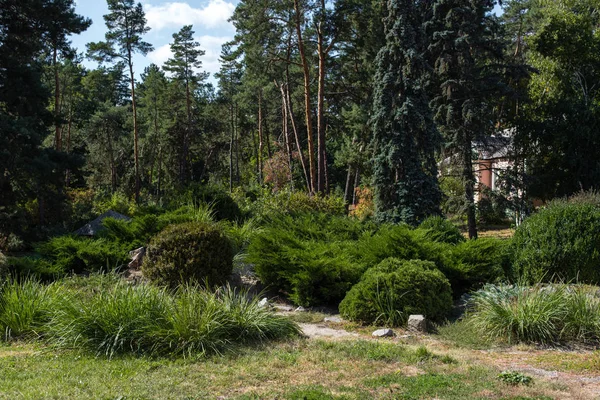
(404, 135)
(468, 55)
(126, 24)
(183, 65)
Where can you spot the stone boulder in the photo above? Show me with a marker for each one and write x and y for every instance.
(417, 324)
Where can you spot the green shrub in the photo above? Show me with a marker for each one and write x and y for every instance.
(398, 241)
(316, 258)
(286, 202)
(190, 252)
(38, 268)
(439, 229)
(394, 289)
(145, 319)
(310, 272)
(25, 308)
(540, 314)
(222, 204)
(560, 242)
(475, 263)
(77, 254)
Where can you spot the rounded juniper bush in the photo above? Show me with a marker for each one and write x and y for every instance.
(190, 252)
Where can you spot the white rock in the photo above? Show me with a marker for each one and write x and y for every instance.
(383, 333)
(264, 302)
(300, 309)
(334, 318)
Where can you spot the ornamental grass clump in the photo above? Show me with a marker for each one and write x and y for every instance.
(544, 314)
(25, 308)
(145, 319)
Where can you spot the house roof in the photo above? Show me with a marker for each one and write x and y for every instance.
(494, 147)
(94, 227)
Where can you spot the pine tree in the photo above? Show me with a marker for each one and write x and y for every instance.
(468, 54)
(126, 24)
(63, 22)
(404, 136)
(183, 65)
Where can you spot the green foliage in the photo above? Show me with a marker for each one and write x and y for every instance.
(316, 258)
(404, 134)
(146, 319)
(189, 252)
(515, 378)
(476, 262)
(117, 202)
(439, 229)
(492, 207)
(540, 314)
(25, 308)
(398, 287)
(285, 202)
(76, 254)
(39, 268)
(560, 242)
(221, 203)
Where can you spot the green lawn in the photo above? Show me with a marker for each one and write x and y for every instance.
(299, 369)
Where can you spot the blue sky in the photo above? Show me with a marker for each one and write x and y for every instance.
(209, 18)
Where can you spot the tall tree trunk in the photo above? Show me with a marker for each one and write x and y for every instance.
(187, 133)
(237, 145)
(348, 180)
(111, 155)
(297, 136)
(70, 123)
(260, 138)
(159, 172)
(57, 123)
(231, 140)
(307, 102)
(286, 133)
(135, 131)
(321, 160)
(356, 183)
(469, 179)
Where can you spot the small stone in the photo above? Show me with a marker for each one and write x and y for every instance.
(264, 302)
(383, 333)
(137, 258)
(417, 323)
(283, 308)
(300, 309)
(334, 318)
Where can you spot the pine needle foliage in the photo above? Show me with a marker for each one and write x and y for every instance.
(404, 135)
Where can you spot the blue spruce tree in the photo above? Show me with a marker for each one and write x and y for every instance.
(405, 138)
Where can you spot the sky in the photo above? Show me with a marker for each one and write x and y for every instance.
(208, 17)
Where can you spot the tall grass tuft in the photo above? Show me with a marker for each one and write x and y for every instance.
(582, 319)
(25, 308)
(545, 314)
(150, 320)
(111, 322)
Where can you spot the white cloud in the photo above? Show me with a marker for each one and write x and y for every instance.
(212, 15)
(210, 44)
(160, 54)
